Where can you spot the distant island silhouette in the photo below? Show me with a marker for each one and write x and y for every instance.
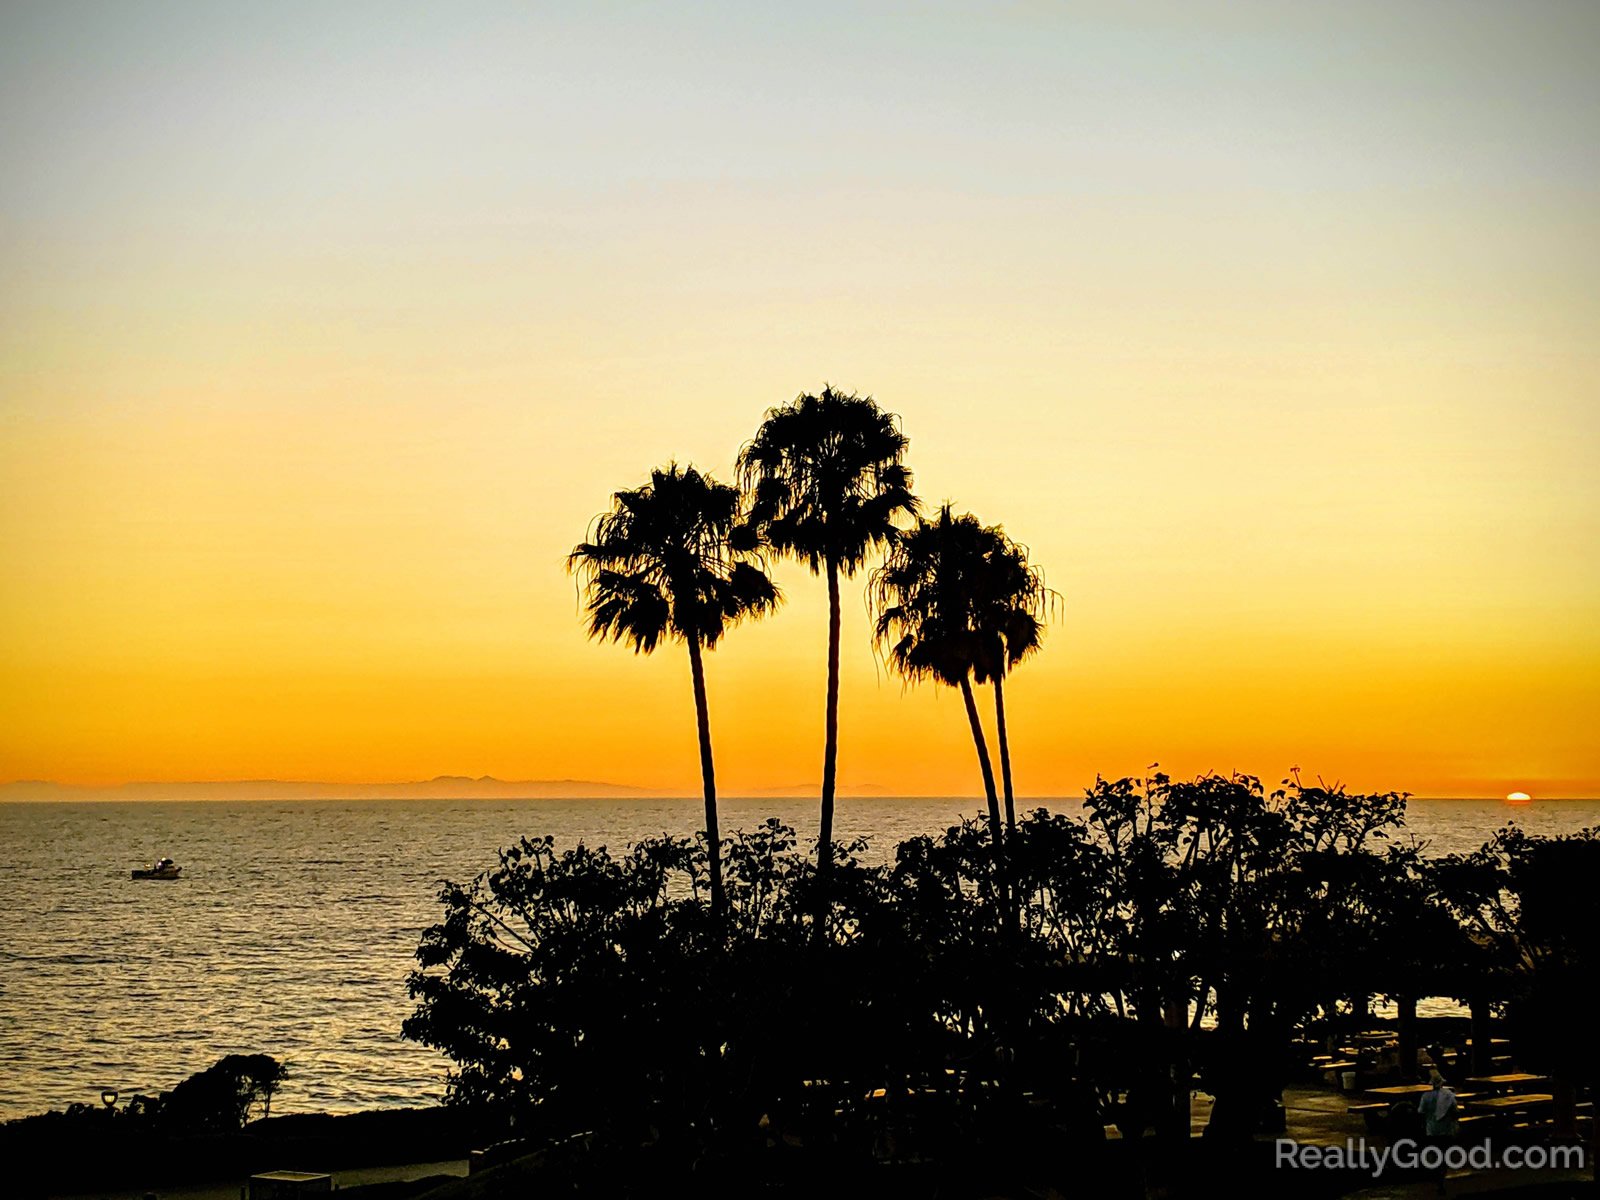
(441, 787)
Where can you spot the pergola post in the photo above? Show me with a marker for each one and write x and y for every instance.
(1175, 1016)
(1406, 1013)
(1482, 1058)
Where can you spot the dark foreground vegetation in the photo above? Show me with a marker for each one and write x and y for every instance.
(215, 1125)
(959, 1021)
(968, 1021)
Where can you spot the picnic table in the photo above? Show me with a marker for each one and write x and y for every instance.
(1513, 1102)
(1401, 1089)
(1510, 1081)
(1383, 1100)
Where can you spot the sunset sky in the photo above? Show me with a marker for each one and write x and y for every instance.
(1269, 328)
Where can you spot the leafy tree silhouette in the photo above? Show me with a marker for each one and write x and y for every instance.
(584, 991)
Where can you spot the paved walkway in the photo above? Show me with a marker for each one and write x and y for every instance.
(230, 1190)
(1478, 1183)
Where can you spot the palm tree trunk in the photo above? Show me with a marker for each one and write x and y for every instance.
(1005, 752)
(830, 734)
(988, 779)
(708, 776)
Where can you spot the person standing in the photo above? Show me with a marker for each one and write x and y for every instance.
(1441, 1120)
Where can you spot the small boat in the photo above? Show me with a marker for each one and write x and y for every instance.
(162, 868)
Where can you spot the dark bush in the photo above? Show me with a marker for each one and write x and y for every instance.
(923, 1013)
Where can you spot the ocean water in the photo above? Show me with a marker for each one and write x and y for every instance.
(294, 925)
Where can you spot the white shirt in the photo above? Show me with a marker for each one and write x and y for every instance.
(1438, 1109)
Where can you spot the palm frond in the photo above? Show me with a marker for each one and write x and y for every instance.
(671, 557)
(827, 478)
(955, 598)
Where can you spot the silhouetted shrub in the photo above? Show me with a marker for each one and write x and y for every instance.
(1171, 928)
(219, 1098)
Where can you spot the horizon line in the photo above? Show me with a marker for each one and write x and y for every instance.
(491, 787)
(547, 789)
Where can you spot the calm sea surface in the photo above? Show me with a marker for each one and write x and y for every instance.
(294, 925)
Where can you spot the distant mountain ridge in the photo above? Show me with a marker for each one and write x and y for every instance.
(441, 787)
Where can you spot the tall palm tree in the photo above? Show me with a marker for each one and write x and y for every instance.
(829, 486)
(928, 597)
(1009, 607)
(673, 559)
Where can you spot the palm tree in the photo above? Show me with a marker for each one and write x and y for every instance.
(673, 559)
(1008, 614)
(928, 598)
(829, 486)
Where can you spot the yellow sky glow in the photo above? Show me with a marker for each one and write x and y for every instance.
(1277, 352)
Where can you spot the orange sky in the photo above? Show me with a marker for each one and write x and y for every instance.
(323, 336)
